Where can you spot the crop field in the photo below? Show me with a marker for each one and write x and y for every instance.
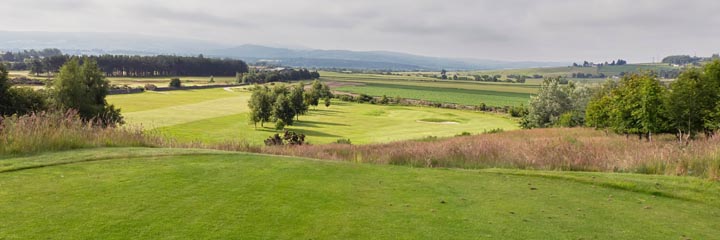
(440, 94)
(121, 193)
(443, 91)
(164, 81)
(217, 115)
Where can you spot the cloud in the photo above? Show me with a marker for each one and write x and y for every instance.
(513, 29)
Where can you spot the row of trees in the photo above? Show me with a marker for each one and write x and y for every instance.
(637, 104)
(618, 62)
(641, 104)
(147, 66)
(283, 104)
(284, 75)
(78, 86)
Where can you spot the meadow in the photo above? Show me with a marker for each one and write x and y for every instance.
(219, 115)
(139, 193)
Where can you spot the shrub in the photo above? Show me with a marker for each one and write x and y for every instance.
(493, 131)
(343, 141)
(462, 134)
(175, 83)
(288, 138)
(150, 87)
(363, 98)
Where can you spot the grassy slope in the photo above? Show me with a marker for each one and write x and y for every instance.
(217, 115)
(208, 194)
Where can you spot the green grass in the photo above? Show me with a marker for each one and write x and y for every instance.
(361, 123)
(216, 115)
(441, 94)
(138, 193)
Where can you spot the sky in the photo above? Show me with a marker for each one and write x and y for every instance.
(519, 30)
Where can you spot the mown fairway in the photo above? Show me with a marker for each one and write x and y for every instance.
(218, 115)
(142, 193)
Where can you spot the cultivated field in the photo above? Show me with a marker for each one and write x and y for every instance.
(217, 115)
(442, 91)
(120, 193)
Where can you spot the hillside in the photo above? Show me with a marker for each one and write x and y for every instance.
(139, 193)
(365, 59)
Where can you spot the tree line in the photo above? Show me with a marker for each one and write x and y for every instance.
(282, 104)
(27, 59)
(80, 86)
(150, 66)
(636, 104)
(284, 75)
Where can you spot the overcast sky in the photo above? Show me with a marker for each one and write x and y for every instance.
(557, 30)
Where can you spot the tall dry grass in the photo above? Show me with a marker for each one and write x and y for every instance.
(54, 131)
(545, 149)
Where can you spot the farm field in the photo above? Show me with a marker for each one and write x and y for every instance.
(217, 115)
(460, 92)
(120, 193)
(440, 94)
(164, 81)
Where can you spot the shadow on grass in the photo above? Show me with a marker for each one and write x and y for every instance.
(302, 123)
(312, 133)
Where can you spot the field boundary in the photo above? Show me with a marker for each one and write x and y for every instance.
(166, 89)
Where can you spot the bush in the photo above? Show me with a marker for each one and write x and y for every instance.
(346, 98)
(343, 141)
(363, 98)
(462, 134)
(175, 83)
(493, 131)
(150, 87)
(288, 138)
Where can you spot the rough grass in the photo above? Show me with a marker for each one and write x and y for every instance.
(143, 193)
(544, 149)
(53, 131)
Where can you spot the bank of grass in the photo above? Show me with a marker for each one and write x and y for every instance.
(539, 149)
(54, 131)
(141, 193)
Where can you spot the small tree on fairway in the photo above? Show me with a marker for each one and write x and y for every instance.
(84, 88)
(327, 101)
(282, 112)
(175, 83)
(297, 95)
(260, 105)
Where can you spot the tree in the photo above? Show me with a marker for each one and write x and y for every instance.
(282, 112)
(36, 66)
(327, 101)
(545, 108)
(683, 111)
(83, 87)
(175, 83)
(297, 99)
(260, 105)
(597, 113)
(651, 108)
(5, 101)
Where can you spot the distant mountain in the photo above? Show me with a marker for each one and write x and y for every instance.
(365, 60)
(137, 44)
